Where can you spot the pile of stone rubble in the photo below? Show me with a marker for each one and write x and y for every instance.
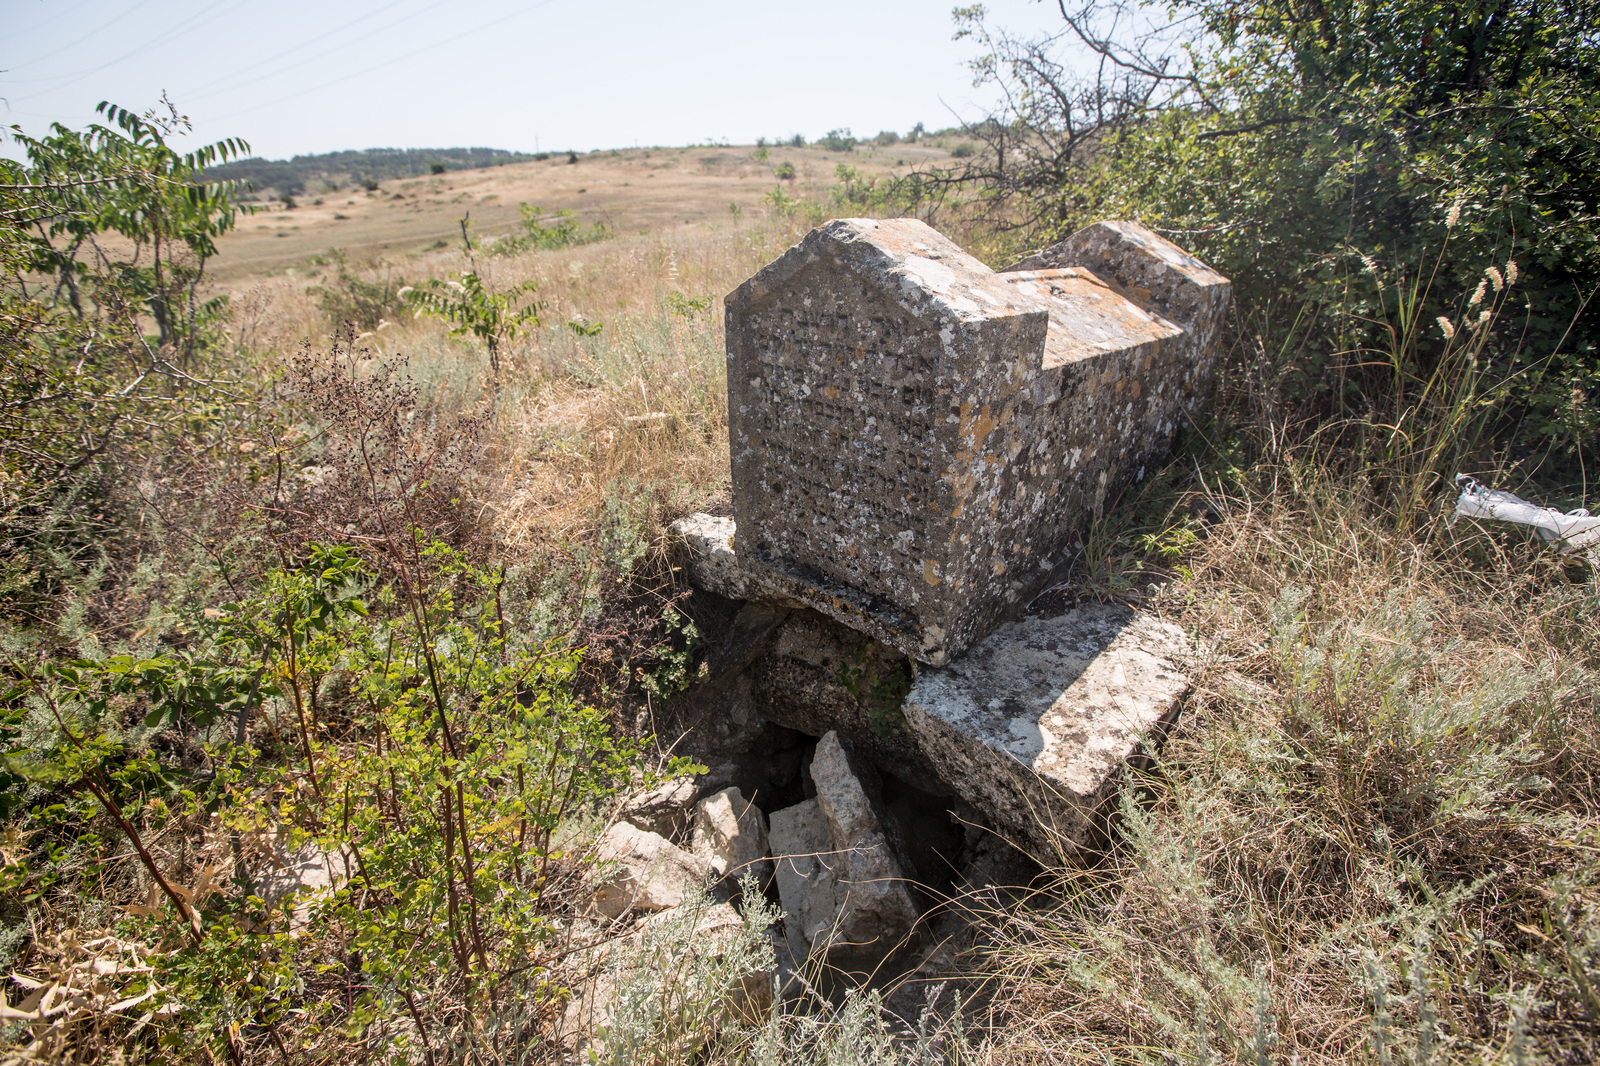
(844, 893)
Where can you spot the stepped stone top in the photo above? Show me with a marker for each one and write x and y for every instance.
(917, 439)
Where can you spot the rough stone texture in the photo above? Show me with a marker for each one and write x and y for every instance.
(875, 907)
(725, 717)
(730, 833)
(801, 683)
(664, 810)
(770, 781)
(1034, 725)
(1150, 269)
(649, 873)
(915, 438)
(307, 871)
(709, 556)
(749, 634)
(805, 874)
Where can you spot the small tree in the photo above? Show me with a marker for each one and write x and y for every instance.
(128, 181)
(840, 140)
(472, 309)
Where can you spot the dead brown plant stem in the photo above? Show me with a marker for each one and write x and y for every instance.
(292, 662)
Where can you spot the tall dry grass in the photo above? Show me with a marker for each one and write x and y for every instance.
(1375, 834)
(638, 409)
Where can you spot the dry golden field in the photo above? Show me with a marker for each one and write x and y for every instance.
(632, 191)
(643, 402)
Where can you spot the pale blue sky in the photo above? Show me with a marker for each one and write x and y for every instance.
(294, 76)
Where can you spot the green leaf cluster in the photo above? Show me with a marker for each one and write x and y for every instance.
(1328, 155)
(393, 727)
(474, 310)
(542, 231)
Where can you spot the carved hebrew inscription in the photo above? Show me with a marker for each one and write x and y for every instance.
(845, 430)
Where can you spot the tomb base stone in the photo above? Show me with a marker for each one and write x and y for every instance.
(1034, 725)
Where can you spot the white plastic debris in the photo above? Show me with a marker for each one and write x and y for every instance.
(1572, 532)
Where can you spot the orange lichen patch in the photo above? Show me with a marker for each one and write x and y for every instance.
(1090, 316)
(975, 429)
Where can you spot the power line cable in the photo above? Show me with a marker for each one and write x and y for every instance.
(103, 26)
(319, 55)
(293, 49)
(57, 17)
(172, 34)
(385, 63)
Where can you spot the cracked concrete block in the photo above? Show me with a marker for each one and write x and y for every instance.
(1034, 725)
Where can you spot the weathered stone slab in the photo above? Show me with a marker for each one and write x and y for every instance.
(664, 810)
(647, 872)
(875, 908)
(1034, 725)
(844, 894)
(709, 557)
(916, 438)
(807, 888)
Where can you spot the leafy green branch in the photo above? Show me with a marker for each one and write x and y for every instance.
(473, 309)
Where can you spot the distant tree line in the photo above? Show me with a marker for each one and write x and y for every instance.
(293, 177)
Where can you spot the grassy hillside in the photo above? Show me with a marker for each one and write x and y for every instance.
(631, 191)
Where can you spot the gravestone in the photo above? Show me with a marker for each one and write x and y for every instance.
(917, 439)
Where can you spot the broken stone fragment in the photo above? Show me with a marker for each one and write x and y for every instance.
(648, 872)
(805, 874)
(1034, 725)
(710, 559)
(730, 833)
(664, 810)
(843, 892)
(875, 907)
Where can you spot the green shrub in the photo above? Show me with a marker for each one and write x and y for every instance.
(354, 300)
(1338, 162)
(838, 140)
(414, 737)
(964, 150)
(546, 232)
(784, 171)
(472, 309)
